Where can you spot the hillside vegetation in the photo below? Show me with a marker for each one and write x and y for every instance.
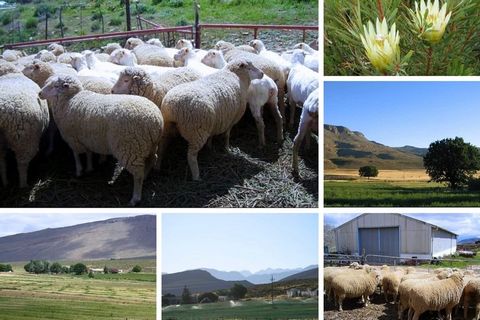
(27, 21)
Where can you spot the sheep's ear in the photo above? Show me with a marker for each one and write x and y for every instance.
(136, 78)
(36, 66)
(66, 85)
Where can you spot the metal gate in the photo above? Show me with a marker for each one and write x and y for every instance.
(379, 241)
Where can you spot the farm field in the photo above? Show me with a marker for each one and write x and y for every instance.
(396, 194)
(121, 296)
(383, 175)
(254, 309)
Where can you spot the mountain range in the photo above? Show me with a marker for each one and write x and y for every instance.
(198, 281)
(130, 237)
(259, 277)
(347, 149)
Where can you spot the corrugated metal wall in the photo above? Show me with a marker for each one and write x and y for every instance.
(443, 244)
(414, 236)
(380, 241)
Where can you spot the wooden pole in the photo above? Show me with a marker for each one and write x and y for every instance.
(46, 25)
(127, 13)
(198, 38)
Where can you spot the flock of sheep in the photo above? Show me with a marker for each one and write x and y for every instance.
(410, 289)
(129, 102)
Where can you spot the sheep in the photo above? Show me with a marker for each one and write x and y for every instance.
(301, 82)
(46, 56)
(149, 54)
(156, 42)
(12, 55)
(65, 58)
(260, 49)
(270, 68)
(79, 62)
(308, 122)
(23, 119)
(94, 64)
(260, 92)
(183, 43)
(7, 67)
(110, 47)
(390, 284)
(56, 49)
(209, 106)
(188, 58)
(471, 293)
(225, 46)
(436, 295)
(126, 57)
(355, 284)
(128, 127)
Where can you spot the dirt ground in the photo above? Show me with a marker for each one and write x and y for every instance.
(383, 175)
(378, 310)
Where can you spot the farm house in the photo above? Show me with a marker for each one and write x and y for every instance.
(394, 235)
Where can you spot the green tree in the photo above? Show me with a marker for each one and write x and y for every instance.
(37, 266)
(5, 268)
(56, 268)
(186, 296)
(90, 275)
(452, 161)
(79, 269)
(208, 297)
(368, 171)
(238, 291)
(137, 268)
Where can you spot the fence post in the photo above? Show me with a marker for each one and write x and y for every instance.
(198, 38)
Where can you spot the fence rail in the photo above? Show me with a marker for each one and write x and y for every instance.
(102, 36)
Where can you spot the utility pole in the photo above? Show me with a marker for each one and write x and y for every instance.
(127, 13)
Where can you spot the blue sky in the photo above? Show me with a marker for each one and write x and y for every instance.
(237, 242)
(406, 113)
(466, 225)
(13, 223)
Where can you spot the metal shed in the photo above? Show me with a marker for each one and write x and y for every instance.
(395, 235)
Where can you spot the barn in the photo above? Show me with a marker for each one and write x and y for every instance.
(394, 235)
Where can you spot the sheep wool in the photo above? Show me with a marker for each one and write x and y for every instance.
(128, 127)
(471, 294)
(23, 118)
(209, 106)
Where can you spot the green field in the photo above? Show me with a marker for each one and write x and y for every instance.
(118, 296)
(285, 309)
(396, 194)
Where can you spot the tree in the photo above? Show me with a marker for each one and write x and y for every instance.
(186, 296)
(238, 291)
(452, 161)
(56, 268)
(368, 171)
(79, 269)
(90, 274)
(37, 266)
(137, 268)
(105, 270)
(6, 268)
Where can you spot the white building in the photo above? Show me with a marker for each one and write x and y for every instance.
(395, 235)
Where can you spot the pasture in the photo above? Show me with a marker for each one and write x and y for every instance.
(120, 296)
(254, 309)
(392, 188)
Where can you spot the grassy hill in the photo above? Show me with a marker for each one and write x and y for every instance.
(114, 238)
(27, 20)
(348, 149)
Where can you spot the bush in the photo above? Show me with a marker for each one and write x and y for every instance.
(137, 268)
(208, 297)
(7, 18)
(368, 171)
(95, 27)
(6, 268)
(43, 9)
(115, 21)
(155, 2)
(37, 266)
(31, 23)
(238, 291)
(79, 269)
(96, 16)
(90, 274)
(56, 268)
(175, 3)
(65, 269)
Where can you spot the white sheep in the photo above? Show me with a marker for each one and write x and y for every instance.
(12, 55)
(149, 54)
(128, 127)
(187, 57)
(260, 49)
(94, 64)
(436, 295)
(261, 92)
(308, 123)
(126, 57)
(156, 42)
(471, 294)
(355, 284)
(301, 82)
(184, 43)
(270, 68)
(23, 119)
(46, 56)
(110, 47)
(79, 62)
(209, 106)
(56, 49)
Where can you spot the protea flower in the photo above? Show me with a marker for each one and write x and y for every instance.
(381, 46)
(429, 20)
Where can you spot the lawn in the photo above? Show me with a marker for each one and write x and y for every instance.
(285, 309)
(396, 194)
(28, 296)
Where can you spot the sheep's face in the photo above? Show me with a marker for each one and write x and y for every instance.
(300, 46)
(298, 56)
(183, 43)
(155, 42)
(123, 84)
(183, 54)
(257, 45)
(243, 67)
(132, 43)
(214, 59)
(32, 70)
(60, 86)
